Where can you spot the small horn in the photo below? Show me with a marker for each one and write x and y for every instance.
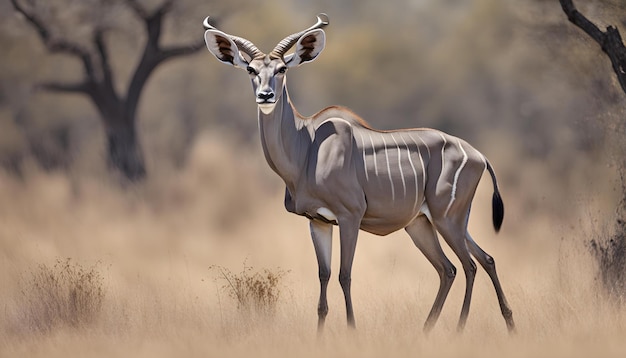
(284, 45)
(207, 25)
(243, 45)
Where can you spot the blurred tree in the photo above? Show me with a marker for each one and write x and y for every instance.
(610, 40)
(610, 253)
(117, 111)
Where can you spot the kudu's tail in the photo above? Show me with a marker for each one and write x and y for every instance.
(496, 202)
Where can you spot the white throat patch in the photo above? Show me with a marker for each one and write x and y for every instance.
(267, 108)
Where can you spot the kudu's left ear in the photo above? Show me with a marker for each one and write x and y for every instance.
(225, 49)
(308, 47)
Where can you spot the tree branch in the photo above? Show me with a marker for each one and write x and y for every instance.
(171, 52)
(79, 87)
(143, 13)
(578, 19)
(56, 45)
(34, 20)
(107, 74)
(610, 41)
(165, 7)
(151, 53)
(139, 10)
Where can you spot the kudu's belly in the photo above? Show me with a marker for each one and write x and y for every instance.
(388, 219)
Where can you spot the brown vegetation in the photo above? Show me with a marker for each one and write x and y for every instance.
(256, 291)
(65, 294)
(158, 242)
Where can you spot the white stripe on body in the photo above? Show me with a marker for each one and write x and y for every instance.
(443, 148)
(414, 172)
(374, 151)
(367, 177)
(419, 152)
(421, 140)
(393, 191)
(400, 164)
(456, 178)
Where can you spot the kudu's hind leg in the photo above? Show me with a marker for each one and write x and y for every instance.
(424, 237)
(453, 232)
(487, 262)
(322, 241)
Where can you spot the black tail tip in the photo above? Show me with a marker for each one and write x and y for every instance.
(498, 211)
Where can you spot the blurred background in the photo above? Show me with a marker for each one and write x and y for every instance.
(514, 78)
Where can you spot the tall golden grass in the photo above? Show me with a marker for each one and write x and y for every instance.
(64, 294)
(150, 250)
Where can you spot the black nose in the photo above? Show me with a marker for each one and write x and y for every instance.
(265, 95)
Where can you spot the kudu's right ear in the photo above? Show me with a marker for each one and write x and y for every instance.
(225, 49)
(308, 47)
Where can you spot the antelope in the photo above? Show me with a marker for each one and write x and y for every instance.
(338, 170)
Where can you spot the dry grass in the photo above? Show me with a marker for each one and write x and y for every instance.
(256, 291)
(158, 298)
(65, 294)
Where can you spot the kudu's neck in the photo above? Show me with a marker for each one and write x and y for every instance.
(285, 139)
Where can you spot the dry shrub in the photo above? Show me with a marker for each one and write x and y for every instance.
(252, 290)
(66, 294)
(610, 253)
(610, 256)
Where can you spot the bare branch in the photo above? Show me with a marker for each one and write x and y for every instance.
(168, 53)
(34, 20)
(578, 19)
(139, 10)
(56, 45)
(79, 87)
(107, 74)
(143, 13)
(165, 7)
(152, 55)
(610, 41)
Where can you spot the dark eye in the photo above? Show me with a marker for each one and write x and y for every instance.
(282, 70)
(251, 70)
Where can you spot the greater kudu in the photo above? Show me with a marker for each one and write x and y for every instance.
(340, 171)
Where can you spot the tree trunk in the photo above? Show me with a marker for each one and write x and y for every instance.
(124, 151)
(118, 112)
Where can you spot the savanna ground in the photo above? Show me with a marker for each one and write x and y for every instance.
(142, 267)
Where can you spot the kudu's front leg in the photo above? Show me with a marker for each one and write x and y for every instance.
(348, 232)
(322, 234)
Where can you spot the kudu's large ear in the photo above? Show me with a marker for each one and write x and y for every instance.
(308, 47)
(225, 49)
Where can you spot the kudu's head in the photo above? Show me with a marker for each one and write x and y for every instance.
(267, 72)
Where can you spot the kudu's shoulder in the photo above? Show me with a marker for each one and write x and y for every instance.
(354, 119)
(340, 112)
